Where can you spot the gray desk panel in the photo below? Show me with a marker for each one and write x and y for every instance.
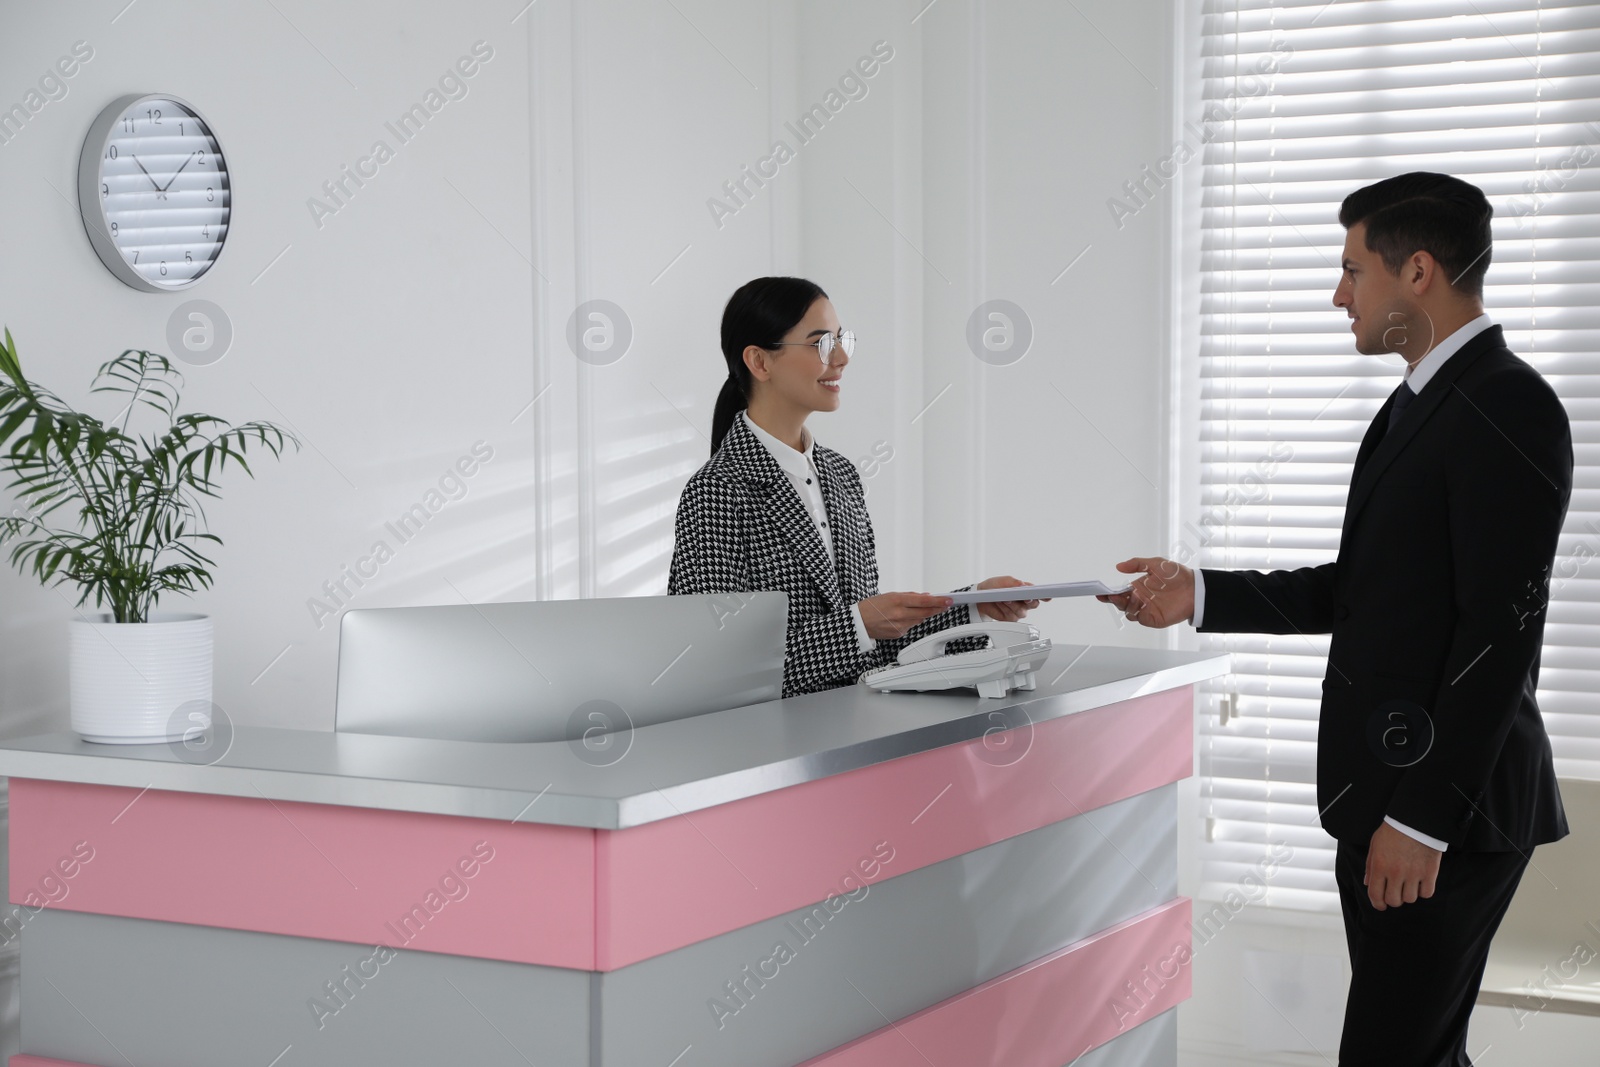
(100, 989)
(451, 1029)
(1150, 1044)
(517, 671)
(668, 768)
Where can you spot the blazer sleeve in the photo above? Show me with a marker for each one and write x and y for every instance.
(1507, 489)
(1300, 601)
(955, 615)
(822, 653)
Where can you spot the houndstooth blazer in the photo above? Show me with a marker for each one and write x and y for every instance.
(741, 527)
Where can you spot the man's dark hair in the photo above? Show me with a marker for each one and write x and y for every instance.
(1423, 212)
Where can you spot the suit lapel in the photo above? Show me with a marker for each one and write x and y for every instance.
(1378, 448)
(782, 507)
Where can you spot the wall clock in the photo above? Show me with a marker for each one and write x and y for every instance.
(154, 193)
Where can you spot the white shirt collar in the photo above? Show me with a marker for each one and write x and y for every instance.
(796, 464)
(1417, 377)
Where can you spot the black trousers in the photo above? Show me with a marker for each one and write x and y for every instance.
(1416, 968)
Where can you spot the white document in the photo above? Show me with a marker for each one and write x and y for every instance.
(1035, 592)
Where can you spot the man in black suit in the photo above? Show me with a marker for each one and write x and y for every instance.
(1433, 767)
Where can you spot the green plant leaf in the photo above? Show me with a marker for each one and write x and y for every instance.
(9, 425)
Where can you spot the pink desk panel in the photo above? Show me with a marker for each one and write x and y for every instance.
(1048, 1012)
(472, 887)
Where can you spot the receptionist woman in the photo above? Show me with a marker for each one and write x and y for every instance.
(774, 511)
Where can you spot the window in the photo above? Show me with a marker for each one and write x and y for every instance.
(1293, 106)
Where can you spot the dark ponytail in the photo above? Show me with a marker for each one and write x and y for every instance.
(758, 313)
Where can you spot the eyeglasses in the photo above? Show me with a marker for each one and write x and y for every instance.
(825, 344)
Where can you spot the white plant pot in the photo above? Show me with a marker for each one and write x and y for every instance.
(130, 678)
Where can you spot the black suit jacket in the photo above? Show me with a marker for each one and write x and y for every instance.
(1436, 599)
(741, 527)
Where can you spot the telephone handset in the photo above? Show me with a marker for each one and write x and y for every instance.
(1000, 634)
(1013, 657)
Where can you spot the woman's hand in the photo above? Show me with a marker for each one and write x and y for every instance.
(1004, 610)
(890, 615)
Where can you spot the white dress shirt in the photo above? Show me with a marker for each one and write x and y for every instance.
(801, 469)
(1417, 376)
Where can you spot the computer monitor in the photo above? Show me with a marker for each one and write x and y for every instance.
(547, 670)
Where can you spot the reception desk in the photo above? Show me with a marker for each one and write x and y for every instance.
(841, 879)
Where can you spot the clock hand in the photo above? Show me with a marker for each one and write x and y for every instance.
(147, 174)
(175, 173)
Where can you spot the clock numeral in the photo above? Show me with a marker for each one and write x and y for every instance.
(202, 160)
(205, 231)
(105, 190)
(113, 229)
(187, 258)
(163, 268)
(127, 125)
(136, 255)
(111, 153)
(180, 129)
(154, 116)
(208, 193)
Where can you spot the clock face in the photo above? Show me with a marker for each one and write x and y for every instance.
(153, 188)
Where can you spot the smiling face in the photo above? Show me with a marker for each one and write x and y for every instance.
(1384, 311)
(794, 375)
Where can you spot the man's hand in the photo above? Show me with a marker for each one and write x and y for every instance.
(1004, 610)
(1165, 595)
(890, 615)
(1399, 869)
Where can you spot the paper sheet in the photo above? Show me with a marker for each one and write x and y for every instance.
(1035, 592)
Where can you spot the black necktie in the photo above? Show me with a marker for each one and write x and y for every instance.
(1402, 399)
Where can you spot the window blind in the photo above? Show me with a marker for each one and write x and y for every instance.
(1303, 103)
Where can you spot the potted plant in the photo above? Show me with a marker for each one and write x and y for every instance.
(138, 533)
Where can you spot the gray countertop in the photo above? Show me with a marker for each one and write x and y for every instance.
(664, 770)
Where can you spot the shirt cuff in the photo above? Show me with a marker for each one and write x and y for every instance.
(1199, 597)
(1418, 835)
(863, 640)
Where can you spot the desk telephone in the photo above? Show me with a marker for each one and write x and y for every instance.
(1013, 658)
